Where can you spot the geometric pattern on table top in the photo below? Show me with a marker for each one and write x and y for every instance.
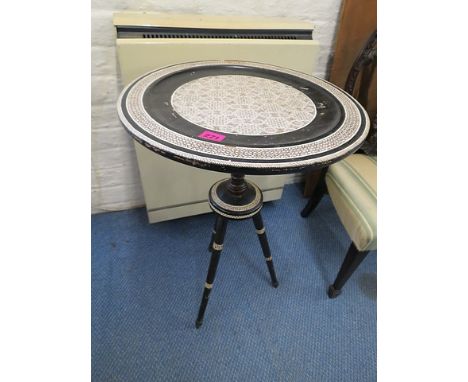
(245, 105)
(132, 113)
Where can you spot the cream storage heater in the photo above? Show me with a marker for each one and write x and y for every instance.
(148, 41)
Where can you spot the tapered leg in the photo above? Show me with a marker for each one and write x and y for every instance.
(217, 247)
(352, 260)
(316, 196)
(260, 228)
(213, 233)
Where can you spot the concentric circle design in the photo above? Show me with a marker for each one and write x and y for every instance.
(240, 104)
(155, 109)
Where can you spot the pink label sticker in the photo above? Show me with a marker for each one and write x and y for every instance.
(211, 136)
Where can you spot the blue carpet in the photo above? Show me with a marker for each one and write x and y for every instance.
(147, 282)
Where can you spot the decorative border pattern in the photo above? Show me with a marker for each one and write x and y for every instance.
(217, 247)
(236, 217)
(231, 156)
(229, 207)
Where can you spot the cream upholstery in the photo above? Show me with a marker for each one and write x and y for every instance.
(352, 185)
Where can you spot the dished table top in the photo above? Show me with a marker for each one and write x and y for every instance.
(236, 116)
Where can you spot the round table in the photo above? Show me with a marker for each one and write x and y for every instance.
(241, 118)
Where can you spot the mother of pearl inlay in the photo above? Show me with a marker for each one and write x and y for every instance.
(241, 104)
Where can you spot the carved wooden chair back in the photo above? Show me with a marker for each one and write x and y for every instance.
(361, 74)
(365, 64)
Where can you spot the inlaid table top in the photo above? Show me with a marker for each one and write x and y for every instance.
(236, 116)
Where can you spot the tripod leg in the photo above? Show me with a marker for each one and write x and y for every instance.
(213, 233)
(217, 247)
(260, 228)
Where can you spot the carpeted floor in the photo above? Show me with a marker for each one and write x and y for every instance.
(147, 282)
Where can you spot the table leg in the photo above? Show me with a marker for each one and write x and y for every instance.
(217, 247)
(213, 233)
(260, 228)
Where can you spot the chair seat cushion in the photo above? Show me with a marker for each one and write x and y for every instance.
(352, 185)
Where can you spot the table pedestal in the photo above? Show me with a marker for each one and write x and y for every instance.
(233, 199)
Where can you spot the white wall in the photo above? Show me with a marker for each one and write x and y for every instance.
(115, 178)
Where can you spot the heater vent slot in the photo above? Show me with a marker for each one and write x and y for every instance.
(253, 34)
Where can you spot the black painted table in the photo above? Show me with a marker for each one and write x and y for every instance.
(241, 118)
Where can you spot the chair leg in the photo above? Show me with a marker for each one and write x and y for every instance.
(260, 229)
(352, 260)
(317, 195)
(217, 245)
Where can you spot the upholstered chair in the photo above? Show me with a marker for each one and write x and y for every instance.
(352, 182)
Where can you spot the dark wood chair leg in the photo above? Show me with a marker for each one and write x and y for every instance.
(260, 229)
(217, 247)
(317, 195)
(352, 260)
